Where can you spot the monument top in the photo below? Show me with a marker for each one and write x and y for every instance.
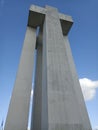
(38, 15)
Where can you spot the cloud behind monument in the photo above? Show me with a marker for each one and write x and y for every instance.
(88, 88)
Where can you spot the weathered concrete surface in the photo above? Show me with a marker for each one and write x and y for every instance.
(64, 107)
(17, 118)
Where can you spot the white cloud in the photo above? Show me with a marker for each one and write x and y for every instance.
(88, 88)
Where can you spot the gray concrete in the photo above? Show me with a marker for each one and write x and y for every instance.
(17, 118)
(37, 16)
(62, 104)
(65, 104)
(58, 102)
(37, 98)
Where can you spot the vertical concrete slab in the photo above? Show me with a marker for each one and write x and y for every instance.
(62, 105)
(44, 114)
(17, 117)
(37, 98)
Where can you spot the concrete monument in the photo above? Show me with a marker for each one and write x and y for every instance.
(58, 102)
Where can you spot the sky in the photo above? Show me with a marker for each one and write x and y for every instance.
(83, 38)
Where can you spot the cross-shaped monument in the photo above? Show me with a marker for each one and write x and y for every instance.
(58, 102)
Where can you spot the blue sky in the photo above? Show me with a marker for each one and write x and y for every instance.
(83, 38)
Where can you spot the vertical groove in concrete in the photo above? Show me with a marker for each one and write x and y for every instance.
(17, 118)
(37, 101)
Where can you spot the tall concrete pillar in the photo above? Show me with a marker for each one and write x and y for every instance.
(62, 105)
(17, 118)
